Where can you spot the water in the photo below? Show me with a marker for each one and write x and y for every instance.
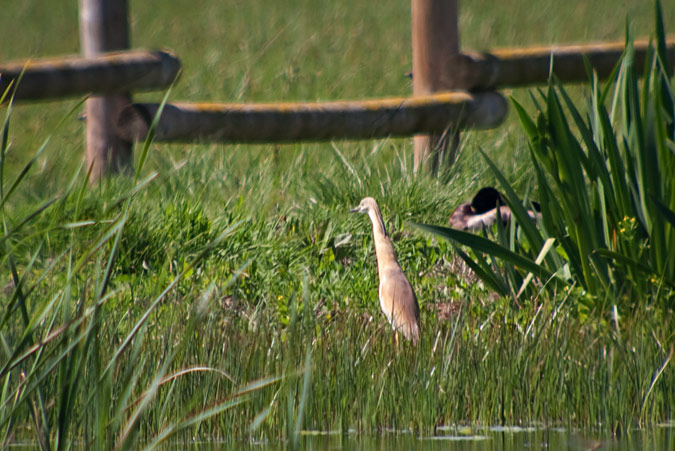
(493, 439)
(661, 438)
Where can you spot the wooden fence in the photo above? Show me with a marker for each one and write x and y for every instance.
(452, 90)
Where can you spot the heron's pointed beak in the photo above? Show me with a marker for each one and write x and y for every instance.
(355, 210)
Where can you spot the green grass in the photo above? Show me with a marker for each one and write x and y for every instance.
(228, 293)
(604, 178)
(302, 50)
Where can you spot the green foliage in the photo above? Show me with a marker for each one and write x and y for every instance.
(70, 365)
(183, 230)
(610, 189)
(95, 351)
(224, 292)
(606, 182)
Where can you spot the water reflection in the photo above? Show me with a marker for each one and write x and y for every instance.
(467, 439)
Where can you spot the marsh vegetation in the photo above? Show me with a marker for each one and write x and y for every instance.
(224, 292)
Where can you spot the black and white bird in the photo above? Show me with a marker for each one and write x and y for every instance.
(484, 209)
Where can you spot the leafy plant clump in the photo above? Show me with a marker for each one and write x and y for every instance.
(606, 181)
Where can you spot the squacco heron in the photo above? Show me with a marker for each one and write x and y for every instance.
(397, 298)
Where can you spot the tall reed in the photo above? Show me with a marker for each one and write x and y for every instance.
(606, 181)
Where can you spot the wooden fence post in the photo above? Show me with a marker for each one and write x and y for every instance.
(104, 27)
(435, 45)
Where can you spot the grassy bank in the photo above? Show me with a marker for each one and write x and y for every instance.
(226, 292)
(292, 295)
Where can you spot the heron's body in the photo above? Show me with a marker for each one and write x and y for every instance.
(397, 298)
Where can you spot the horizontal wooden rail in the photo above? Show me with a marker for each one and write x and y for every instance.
(512, 67)
(108, 73)
(278, 122)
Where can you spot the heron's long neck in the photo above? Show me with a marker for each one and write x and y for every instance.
(383, 248)
(378, 223)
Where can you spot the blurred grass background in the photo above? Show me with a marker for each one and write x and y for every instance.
(257, 50)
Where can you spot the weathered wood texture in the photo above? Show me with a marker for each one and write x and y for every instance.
(104, 28)
(512, 67)
(435, 46)
(434, 113)
(115, 72)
